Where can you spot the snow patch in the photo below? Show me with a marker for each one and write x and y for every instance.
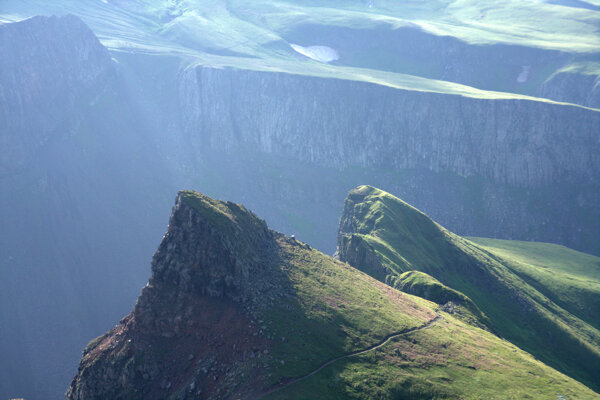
(318, 53)
(524, 75)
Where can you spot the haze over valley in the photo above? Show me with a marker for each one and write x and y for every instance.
(484, 115)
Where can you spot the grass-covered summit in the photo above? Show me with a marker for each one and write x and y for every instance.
(534, 308)
(234, 310)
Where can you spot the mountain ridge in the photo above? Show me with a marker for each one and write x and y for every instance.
(116, 131)
(39, 77)
(304, 318)
(379, 232)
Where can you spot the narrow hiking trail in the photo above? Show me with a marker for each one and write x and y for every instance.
(355, 353)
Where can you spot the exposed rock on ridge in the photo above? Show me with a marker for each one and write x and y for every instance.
(230, 261)
(191, 332)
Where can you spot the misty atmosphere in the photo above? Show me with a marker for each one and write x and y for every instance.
(286, 199)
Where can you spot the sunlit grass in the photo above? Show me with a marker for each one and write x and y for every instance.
(551, 312)
(250, 35)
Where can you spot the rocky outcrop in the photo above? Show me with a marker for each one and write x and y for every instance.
(232, 259)
(352, 246)
(193, 331)
(358, 252)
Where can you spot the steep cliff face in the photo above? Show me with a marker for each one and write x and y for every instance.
(341, 124)
(515, 169)
(191, 332)
(236, 252)
(42, 82)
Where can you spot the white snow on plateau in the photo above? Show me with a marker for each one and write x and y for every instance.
(524, 75)
(318, 53)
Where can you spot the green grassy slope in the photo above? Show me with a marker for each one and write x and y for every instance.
(333, 309)
(448, 360)
(426, 286)
(258, 34)
(403, 239)
(568, 277)
(304, 309)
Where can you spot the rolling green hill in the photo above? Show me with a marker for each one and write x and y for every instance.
(505, 46)
(568, 277)
(550, 312)
(234, 310)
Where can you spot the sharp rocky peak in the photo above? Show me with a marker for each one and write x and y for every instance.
(213, 248)
(211, 274)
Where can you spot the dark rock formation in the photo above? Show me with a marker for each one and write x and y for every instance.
(358, 252)
(192, 332)
(231, 261)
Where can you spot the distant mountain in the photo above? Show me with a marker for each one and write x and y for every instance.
(550, 311)
(234, 310)
(76, 172)
(531, 48)
(41, 85)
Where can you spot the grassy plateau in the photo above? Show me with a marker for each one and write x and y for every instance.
(368, 35)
